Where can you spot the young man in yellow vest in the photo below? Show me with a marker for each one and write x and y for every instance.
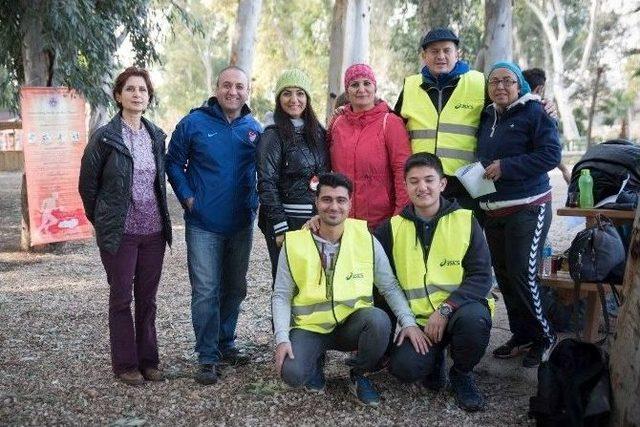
(323, 297)
(443, 265)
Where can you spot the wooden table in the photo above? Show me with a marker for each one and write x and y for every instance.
(563, 282)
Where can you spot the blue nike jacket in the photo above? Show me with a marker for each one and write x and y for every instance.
(213, 161)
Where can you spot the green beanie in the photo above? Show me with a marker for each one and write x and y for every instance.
(293, 78)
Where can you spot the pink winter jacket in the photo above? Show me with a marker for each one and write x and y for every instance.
(370, 148)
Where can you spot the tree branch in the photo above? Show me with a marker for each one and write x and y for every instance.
(588, 45)
(562, 28)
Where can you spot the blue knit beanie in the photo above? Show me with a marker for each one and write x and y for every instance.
(524, 86)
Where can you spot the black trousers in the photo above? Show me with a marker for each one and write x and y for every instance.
(516, 243)
(467, 335)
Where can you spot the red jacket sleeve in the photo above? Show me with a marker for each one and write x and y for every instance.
(398, 150)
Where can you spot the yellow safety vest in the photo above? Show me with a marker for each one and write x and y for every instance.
(320, 302)
(427, 283)
(451, 135)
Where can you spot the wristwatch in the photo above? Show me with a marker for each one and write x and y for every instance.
(445, 310)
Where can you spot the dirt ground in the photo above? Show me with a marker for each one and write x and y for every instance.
(54, 350)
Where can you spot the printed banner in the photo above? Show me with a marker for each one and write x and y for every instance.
(54, 137)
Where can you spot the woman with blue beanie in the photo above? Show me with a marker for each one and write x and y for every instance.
(518, 144)
(292, 154)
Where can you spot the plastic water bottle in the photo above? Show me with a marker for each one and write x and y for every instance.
(547, 253)
(585, 183)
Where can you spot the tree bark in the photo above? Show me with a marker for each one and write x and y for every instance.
(592, 108)
(498, 22)
(340, 47)
(244, 38)
(362, 23)
(625, 351)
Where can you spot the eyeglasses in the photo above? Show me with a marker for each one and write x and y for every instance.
(506, 83)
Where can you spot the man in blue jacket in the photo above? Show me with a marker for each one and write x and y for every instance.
(211, 167)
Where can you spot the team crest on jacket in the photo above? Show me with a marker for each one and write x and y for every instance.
(252, 136)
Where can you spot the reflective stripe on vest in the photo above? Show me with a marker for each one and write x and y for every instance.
(320, 304)
(428, 283)
(451, 135)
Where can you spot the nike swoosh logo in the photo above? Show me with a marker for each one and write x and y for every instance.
(212, 134)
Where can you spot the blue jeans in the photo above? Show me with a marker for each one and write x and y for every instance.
(218, 274)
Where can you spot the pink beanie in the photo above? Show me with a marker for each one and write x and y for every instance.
(357, 71)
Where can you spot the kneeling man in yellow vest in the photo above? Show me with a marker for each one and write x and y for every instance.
(323, 297)
(442, 262)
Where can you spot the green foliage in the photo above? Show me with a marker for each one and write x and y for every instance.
(81, 38)
(290, 34)
(615, 106)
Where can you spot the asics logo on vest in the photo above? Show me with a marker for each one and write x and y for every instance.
(465, 106)
(353, 275)
(449, 262)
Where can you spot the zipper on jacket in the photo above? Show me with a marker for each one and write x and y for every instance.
(435, 147)
(425, 256)
(333, 272)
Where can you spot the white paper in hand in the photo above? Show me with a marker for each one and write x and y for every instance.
(472, 178)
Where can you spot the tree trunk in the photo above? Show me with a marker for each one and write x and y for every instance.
(498, 18)
(518, 56)
(98, 116)
(37, 61)
(592, 108)
(362, 23)
(37, 64)
(339, 48)
(625, 351)
(244, 38)
(624, 127)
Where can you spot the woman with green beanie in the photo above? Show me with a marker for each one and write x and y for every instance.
(292, 154)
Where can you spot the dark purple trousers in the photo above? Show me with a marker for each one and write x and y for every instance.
(136, 266)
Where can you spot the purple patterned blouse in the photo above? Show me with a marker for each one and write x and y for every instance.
(143, 216)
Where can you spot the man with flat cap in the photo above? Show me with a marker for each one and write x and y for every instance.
(441, 107)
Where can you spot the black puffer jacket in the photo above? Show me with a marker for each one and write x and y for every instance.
(106, 174)
(285, 169)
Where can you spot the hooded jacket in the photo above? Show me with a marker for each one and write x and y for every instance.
(105, 183)
(213, 161)
(476, 263)
(370, 148)
(525, 140)
(285, 169)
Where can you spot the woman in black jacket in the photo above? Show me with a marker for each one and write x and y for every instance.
(292, 154)
(122, 186)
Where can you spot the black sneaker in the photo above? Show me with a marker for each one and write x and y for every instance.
(235, 357)
(534, 355)
(512, 348)
(207, 374)
(465, 391)
(437, 379)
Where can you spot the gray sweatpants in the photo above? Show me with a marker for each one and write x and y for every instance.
(367, 330)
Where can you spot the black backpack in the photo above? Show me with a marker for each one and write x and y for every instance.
(610, 164)
(574, 388)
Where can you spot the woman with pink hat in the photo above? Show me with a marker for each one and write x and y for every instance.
(369, 144)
